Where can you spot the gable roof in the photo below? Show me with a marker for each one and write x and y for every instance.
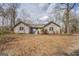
(22, 23)
(36, 25)
(50, 23)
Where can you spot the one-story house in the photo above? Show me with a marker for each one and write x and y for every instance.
(49, 28)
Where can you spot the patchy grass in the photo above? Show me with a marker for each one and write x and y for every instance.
(27, 44)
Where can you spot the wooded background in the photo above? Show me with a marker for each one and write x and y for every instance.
(69, 19)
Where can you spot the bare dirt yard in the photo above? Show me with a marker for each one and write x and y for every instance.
(38, 45)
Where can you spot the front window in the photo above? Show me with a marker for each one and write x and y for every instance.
(21, 28)
(51, 28)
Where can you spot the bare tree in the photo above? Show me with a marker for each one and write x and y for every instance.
(67, 7)
(73, 22)
(12, 13)
(2, 14)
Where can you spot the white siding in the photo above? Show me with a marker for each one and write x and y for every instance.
(26, 28)
(56, 29)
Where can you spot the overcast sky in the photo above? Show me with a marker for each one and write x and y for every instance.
(40, 11)
(35, 11)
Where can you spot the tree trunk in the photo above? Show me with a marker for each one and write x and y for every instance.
(67, 20)
(13, 19)
(3, 21)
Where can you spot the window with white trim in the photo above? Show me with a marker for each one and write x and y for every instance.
(51, 28)
(21, 28)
